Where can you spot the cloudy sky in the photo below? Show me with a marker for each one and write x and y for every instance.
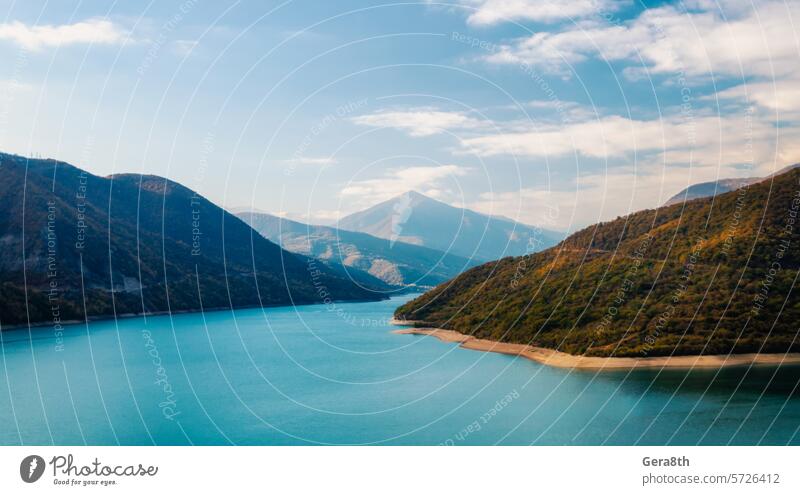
(550, 112)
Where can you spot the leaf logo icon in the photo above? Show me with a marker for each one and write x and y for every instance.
(31, 468)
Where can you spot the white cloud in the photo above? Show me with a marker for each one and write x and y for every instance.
(740, 145)
(701, 139)
(782, 95)
(556, 52)
(597, 197)
(418, 122)
(36, 37)
(183, 48)
(312, 160)
(610, 136)
(427, 180)
(488, 12)
(560, 110)
(754, 131)
(314, 217)
(760, 41)
(690, 137)
(8, 86)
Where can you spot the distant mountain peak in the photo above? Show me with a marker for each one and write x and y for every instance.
(415, 197)
(394, 263)
(560, 298)
(414, 218)
(717, 187)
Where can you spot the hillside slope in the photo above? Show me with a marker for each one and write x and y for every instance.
(135, 244)
(714, 188)
(705, 277)
(417, 219)
(397, 264)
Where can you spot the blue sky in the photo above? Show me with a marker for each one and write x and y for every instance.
(554, 113)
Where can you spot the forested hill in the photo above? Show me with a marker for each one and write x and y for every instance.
(134, 244)
(710, 276)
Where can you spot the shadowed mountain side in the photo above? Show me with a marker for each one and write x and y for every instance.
(134, 244)
(393, 263)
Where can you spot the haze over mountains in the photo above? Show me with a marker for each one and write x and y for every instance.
(75, 245)
(394, 263)
(417, 219)
(713, 188)
(711, 276)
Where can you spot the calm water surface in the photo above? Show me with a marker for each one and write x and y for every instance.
(309, 375)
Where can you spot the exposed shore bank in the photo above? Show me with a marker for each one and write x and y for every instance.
(558, 359)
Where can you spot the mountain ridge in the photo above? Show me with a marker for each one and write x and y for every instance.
(395, 263)
(415, 218)
(689, 279)
(135, 244)
(713, 188)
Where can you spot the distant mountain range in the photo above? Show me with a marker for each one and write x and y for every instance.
(711, 276)
(76, 245)
(414, 218)
(713, 188)
(362, 255)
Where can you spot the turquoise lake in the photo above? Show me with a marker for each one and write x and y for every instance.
(337, 375)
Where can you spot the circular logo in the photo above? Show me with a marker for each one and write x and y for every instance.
(31, 468)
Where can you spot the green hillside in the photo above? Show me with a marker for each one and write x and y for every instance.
(711, 276)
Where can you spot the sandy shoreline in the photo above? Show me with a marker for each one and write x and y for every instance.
(558, 359)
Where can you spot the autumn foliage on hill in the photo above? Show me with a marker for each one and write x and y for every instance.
(711, 276)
